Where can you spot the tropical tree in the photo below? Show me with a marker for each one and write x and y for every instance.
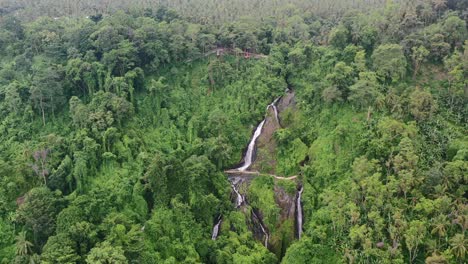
(418, 56)
(422, 105)
(365, 91)
(106, 253)
(389, 62)
(23, 246)
(458, 243)
(46, 90)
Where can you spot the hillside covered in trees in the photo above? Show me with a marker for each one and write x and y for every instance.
(233, 131)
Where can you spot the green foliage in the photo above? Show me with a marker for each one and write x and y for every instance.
(130, 170)
(289, 159)
(7, 243)
(174, 233)
(289, 186)
(46, 90)
(262, 197)
(106, 253)
(455, 30)
(389, 62)
(422, 105)
(59, 249)
(365, 91)
(339, 37)
(304, 251)
(39, 212)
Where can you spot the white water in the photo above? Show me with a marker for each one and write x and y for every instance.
(240, 198)
(274, 108)
(250, 149)
(267, 237)
(299, 213)
(216, 230)
(248, 158)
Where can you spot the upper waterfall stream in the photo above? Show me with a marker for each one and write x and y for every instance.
(248, 158)
(274, 108)
(250, 149)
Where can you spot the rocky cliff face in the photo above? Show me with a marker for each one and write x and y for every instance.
(286, 225)
(279, 236)
(268, 201)
(265, 160)
(286, 202)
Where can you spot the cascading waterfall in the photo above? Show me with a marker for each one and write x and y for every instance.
(250, 149)
(239, 201)
(267, 237)
(299, 213)
(216, 229)
(248, 158)
(239, 198)
(273, 105)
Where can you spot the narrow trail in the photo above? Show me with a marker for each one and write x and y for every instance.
(247, 173)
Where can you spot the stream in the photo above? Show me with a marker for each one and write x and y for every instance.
(265, 233)
(248, 160)
(239, 198)
(299, 213)
(216, 229)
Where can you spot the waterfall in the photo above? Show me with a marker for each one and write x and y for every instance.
(248, 158)
(267, 237)
(299, 213)
(273, 105)
(216, 229)
(240, 198)
(250, 149)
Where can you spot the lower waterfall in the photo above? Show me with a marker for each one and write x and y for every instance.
(216, 229)
(267, 237)
(299, 213)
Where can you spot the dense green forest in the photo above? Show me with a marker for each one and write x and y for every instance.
(121, 120)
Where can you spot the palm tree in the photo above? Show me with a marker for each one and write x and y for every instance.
(458, 243)
(23, 246)
(436, 259)
(439, 5)
(439, 226)
(35, 259)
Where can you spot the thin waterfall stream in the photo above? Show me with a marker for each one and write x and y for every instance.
(299, 213)
(267, 237)
(239, 198)
(274, 108)
(248, 158)
(216, 229)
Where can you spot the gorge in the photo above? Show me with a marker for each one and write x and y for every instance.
(240, 178)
